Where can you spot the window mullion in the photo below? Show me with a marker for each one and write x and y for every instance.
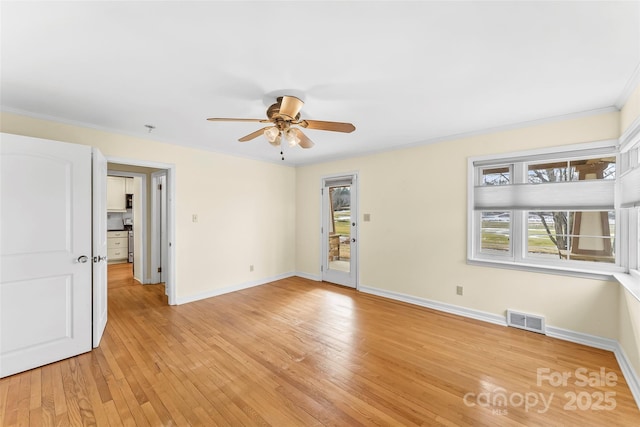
(519, 217)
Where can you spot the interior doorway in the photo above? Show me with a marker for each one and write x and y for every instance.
(127, 224)
(146, 240)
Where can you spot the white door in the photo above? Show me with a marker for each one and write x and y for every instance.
(339, 230)
(99, 185)
(45, 246)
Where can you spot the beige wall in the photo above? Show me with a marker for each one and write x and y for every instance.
(416, 241)
(630, 111)
(244, 206)
(629, 328)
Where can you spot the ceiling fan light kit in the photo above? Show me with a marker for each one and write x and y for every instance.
(284, 114)
(271, 134)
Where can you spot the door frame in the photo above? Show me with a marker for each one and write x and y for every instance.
(171, 214)
(355, 230)
(157, 239)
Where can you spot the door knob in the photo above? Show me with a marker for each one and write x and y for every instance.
(353, 239)
(97, 259)
(82, 259)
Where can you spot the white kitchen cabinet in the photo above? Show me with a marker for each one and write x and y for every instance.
(117, 246)
(128, 184)
(116, 194)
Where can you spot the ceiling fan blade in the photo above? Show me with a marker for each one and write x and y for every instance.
(290, 107)
(305, 142)
(220, 119)
(331, 126)
(253, 135)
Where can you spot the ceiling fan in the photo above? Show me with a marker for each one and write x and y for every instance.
(284, 115)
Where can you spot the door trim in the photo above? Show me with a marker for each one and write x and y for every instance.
(156, 235)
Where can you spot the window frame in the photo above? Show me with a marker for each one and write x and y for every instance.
(518, 257)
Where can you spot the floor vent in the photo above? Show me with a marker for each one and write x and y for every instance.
(529, 322)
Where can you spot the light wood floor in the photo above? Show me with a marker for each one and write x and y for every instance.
(297, 352)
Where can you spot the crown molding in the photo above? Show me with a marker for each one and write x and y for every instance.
(632, 84)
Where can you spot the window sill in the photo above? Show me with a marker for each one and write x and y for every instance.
(631, 282)
(535, 268)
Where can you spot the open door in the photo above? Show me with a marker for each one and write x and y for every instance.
(45, 242)
(99, 245)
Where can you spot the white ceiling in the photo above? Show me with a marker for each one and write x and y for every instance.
(402, 72)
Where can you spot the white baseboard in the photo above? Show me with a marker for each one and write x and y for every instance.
(436, 305)
(313, 277)
(630, 375)
(233, 288)
(614, 346)
(582, 338)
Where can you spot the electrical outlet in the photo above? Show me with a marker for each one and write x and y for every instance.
(194, 217)
(459, 290)
(251, 267)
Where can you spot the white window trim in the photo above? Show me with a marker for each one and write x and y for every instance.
(516, 259)
(630, 146)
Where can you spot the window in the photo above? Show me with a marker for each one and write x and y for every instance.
(630, 199)
(546, 209)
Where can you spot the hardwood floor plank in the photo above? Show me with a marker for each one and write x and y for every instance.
(35, 389)
(4, 409)
(112, 414)
(92, 388)
(13, 395)
(302, 353)
(79, 411)
(48, 415)
(59, 401)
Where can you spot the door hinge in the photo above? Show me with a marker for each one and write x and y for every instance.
(321, 230)
(159, 186)
(159, 269)
(321, 268)
(322, 191)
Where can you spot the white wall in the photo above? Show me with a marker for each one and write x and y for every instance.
(415, 243)
(244, 206)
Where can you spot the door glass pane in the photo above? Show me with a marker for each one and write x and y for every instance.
(496, 232)
(339, 228)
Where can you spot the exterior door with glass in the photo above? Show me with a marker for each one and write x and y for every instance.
(339, 230)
